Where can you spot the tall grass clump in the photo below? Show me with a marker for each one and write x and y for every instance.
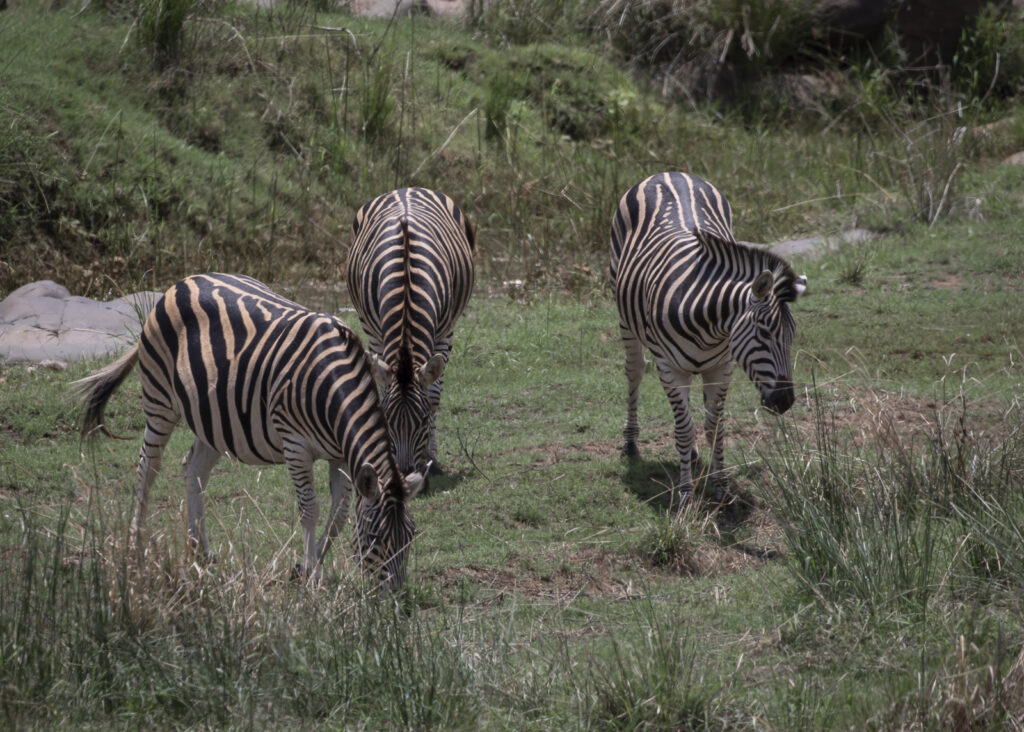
(520, 22)
(89, 635)
(710, 46)
(988, 67)
(854, 526)
(894, 523)
(161, 29)
(657, 682)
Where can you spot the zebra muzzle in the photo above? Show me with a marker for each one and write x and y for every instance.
(779, 399)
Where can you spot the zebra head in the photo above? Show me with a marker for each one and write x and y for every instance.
(763, 335)
(405, 397)
(384, 527)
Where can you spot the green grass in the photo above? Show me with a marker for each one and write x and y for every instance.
(871, 578)
(245, 139)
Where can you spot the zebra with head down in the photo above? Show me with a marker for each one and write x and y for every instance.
(410, 274)
(266, 381)
(699, 301)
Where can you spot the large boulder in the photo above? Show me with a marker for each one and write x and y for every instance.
(43, 321)
(930, 30)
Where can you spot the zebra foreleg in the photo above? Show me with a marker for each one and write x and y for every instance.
(199, 464)
(434, 400)
(341, 494)
(300, 467)
(157, 434)
(716, 384)
(635, 362)
(677, 388)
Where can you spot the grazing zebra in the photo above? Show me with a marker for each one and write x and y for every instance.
(410, 273)
(266, 381)
(698, 300)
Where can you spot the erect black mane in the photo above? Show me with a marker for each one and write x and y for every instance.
(405, 370)
(785, 278)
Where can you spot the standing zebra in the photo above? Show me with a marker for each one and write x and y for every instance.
(266, 381)
(410, 273)
(698, 300)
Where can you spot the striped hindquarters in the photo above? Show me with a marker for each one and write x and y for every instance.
(410, 274)
(410, 270)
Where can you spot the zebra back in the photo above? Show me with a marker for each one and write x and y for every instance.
(250, 370)
(410, 270)
(410, 275)
(669, 217)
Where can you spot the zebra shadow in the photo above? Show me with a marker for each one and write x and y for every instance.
(653, 482)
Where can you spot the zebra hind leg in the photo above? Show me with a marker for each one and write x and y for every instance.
(635, 362)
(444, 348)
(434, 397)
(198, 465)
(158, 433)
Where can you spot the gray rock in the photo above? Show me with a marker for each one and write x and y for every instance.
(816, 246)
(42, 321)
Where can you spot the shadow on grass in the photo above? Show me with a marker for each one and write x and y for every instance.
(653, 482)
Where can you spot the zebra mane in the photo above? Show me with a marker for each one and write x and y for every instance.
(404, 371)
(760, 259)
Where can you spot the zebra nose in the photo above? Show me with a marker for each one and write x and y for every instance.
(779, 399)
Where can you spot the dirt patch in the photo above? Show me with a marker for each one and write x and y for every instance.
(580, 573)
(557, 452)
(563, 573)
(857, 419)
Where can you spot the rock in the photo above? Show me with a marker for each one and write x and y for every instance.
(816, 246)
(843, 21)
(1016, 159)
(43, 321)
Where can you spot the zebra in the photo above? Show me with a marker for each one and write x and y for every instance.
(266, 381)
(699, 301)
(410, 274)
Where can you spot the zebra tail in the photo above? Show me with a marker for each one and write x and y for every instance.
(96, 389)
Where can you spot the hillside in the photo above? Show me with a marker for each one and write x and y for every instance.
(147, 141)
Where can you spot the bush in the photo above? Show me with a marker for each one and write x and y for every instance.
(989, 63)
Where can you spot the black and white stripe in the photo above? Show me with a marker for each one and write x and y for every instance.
(410, 274)
(699, 301)
(266, 381)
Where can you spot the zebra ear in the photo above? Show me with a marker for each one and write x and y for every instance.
(366, 482)
(762, 285)
(800, 285)
(381, 372)
(431, 371)
(414, 483)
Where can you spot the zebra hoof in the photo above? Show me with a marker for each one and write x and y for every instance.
(684, 494)
(301, 574)
(630, 450)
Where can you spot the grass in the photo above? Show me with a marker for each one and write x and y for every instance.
(869, 575)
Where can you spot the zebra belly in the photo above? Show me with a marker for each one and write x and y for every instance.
(239, 432)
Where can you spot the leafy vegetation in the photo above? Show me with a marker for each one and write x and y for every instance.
(868, 574)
